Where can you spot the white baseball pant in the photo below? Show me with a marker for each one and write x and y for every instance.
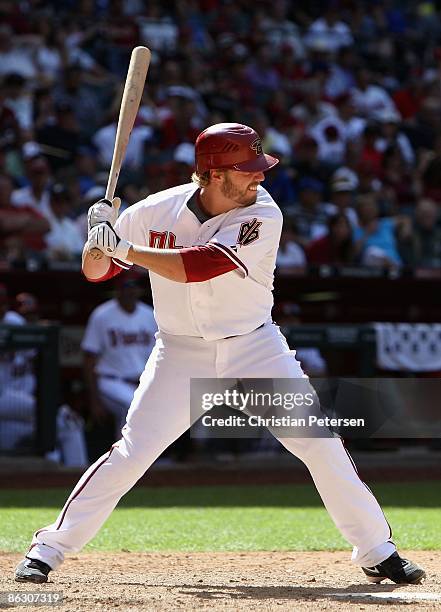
(160, 413)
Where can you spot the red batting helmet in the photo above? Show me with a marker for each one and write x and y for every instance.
(232, 146)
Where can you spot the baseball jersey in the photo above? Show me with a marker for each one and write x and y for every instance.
(234, 303)
(16, 367)
(122, 340)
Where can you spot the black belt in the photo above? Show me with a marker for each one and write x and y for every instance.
(237, 335)
(130, 381)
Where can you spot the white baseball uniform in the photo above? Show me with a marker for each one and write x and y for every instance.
(216, 328)
(17, 387)
(122, 342)
(18, 404)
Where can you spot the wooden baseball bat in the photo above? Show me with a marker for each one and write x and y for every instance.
(133, 88)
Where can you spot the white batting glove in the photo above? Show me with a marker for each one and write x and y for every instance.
(104, 238)
(103, 211)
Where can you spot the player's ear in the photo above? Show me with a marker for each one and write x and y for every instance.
(216, 176)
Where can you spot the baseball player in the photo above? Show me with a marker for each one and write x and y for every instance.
(17, 386)
(117, 342)
(210, 247)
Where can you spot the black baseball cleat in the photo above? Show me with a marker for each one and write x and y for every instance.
(397, 569)
(32, 570)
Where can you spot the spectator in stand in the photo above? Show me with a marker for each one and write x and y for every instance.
(367, 149)
(312, 108)
(22, 229)
(431, 177)
(43, 111)
(272, 139)
(15, 57)
(181, 167)
(86, 168)
(419, 242)
(390, 134)
(49, 52)
(280, 183)
(343, 189)
(347, 113)
(341, 79)
(330, 135)
(104, 139)
(182, 118)
(81, 98)
(409, 97)
(307, 163)
(80, 213)
(374, 238)
(330, 30)
(121, 33)
(309, 215)
(35, 192)
(370, 98)
(333, 133)
(398, 183)
(334, 248)
(64, 241)
(60, 138)
(9, 126)
(290, 256)
(19, 99)
(425, 129)
(281, 32)
(368, 180)
(262, 75)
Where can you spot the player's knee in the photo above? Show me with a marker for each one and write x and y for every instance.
(129, 459)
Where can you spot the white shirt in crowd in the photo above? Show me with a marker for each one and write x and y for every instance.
(25, 197)
(64, 237)
(372, 100)
(291, 255)
(332, 37)
(104, 139)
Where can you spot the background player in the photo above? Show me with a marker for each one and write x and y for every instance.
(210, 247)
(119, 338)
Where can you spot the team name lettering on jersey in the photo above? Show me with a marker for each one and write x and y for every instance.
(163, 240)
(118, 337)
(248, 232)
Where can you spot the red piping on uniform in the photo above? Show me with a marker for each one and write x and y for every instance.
(81, 488)
(231, 255)
(356, 471)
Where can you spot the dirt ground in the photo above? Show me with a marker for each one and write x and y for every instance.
(224, 581)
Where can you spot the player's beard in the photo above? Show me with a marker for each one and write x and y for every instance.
(242, 197)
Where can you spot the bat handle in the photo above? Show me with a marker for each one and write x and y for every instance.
(109, 194)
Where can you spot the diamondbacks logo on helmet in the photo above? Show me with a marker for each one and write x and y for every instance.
(249, 232)
(256, 145)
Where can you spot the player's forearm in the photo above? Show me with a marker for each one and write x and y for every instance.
(165, 262)
(94, 268)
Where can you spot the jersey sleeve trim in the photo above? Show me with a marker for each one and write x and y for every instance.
(113, 270)
(122, 264)
(202, 263)
(234, 258)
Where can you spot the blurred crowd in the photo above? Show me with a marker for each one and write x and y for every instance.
(347, 93)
